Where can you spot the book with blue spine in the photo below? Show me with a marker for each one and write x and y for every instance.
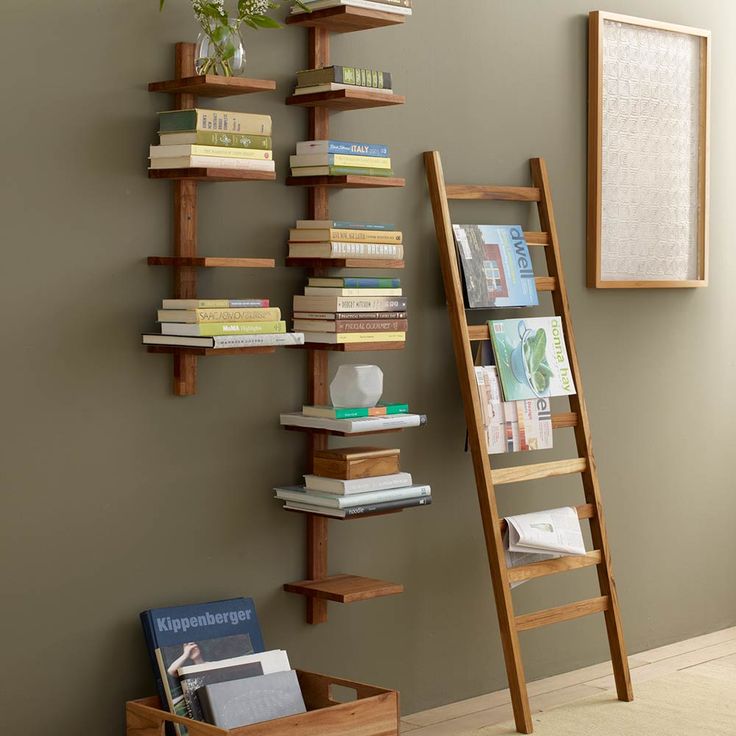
(194, 634)
(497, 267)
(356, 282)
(350, 148)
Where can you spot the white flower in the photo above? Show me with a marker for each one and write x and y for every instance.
(254, 7)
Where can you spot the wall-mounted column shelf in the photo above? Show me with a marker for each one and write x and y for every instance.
(185, 261)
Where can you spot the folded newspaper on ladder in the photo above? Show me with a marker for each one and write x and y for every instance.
(542, 535)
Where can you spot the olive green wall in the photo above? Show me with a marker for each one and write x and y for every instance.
(118, 496)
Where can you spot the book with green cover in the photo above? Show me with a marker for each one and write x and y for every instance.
(333, 412)
(216, 138)
(223, 121)
(340, 171)
(208, 329)
(344, 75)
(531, 357)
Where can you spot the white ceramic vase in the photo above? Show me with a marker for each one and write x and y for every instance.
(356, 386)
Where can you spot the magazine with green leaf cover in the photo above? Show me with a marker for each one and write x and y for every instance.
(531, 357)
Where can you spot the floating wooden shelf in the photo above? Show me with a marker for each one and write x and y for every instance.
(345, 19)
(351, 518)
(377, 263)
(209, 174)
(333, 433)
(211, 85)
(174, 350)
(344, 182)
(210, 262)
(344, 588)
(346, 99)
(353, 347)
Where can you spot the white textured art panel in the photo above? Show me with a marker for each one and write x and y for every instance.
(650, 165)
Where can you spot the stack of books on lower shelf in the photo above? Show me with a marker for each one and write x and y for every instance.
(217, 139)
(344, 311)
(332, 78)
(399, 7)
(340, 239)
(340, 158)
(353, 482)
(332, 422)
(221, 323)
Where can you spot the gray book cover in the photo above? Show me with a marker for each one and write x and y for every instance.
(252, 700)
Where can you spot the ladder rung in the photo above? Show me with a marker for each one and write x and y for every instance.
(487, 191)
(552, 567)
(536, 238)
(585, 511)
(521, 473)
(564, 420)
(561, 613)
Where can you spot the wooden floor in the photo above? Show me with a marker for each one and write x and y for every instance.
(714, 653)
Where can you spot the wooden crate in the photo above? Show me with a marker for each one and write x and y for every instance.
(374, 712)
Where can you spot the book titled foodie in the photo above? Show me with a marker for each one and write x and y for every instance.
(497, 268)
(531, 357)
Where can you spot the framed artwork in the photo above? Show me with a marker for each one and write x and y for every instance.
(648, 120)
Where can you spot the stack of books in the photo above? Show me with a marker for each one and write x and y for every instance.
(355, 481)
(353, 425)
(221, 323)
(218, 139)
(340, 158)
(400, 7)
(340, 311)
(331, 78)
(345, 239)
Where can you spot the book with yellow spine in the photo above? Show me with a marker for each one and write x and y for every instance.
(219, 315)
(344, 338)
(219, 328)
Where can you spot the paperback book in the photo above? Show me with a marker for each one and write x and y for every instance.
(225, 342)
(300, 494)
(531, 357)
(370, 509)
(497, 267)
(342, 147)
(359, 486)
(343, 225)
(339, 171)
(382, 251)
(333, 412)
(311, 235)
(207, 329)
(224, 121)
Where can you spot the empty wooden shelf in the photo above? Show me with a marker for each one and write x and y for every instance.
(345, 19)
(344, 588)
(212, 85)
(347, 99)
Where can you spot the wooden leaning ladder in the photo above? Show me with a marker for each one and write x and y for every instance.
(463, 335)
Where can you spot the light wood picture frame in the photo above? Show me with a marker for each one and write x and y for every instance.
(648, 153)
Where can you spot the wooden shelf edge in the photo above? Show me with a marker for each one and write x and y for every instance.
(173, 349)
(212, 174)
(346, 19)
(345, 182)
(354, 347)
(346, 99)
(378, 263)
(344, 588)
(211, 262)
(351, 518)
(211, 85)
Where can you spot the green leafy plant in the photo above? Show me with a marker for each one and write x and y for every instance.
(535, 360)
(218, 25)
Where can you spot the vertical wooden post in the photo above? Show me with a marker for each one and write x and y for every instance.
(185, 231)
(317, 360)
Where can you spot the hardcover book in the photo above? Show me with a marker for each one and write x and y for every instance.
(359, 485)
(354, 426)
(214, 303)
(252, 700)
(531, 357)
(368, 509)
(215, 138)
(225, 342)
(496, 265)
(219, 315)
(382, 251)
(195, 634)
(344, 147)
(209, 329)
(355, 282)
(336, 159)
(332, 412)
(348, 303)
(344, 75)
(312, 235)
(301, 495)
(343, 225)
(366, 325)
(196, 119)
(344, 338)
(329, 170)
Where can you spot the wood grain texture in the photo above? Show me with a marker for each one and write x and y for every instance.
(354, 468)
(346, 99)
(211, 262)
(345, 19)
(476, 439)
(211, 85)
(212, 174)
(583, 440)
(374, 712)
(552, 567)
(538, 471)
(172, 350)
(344, 588)
(345, 182)
(562, 613)
(490, 191)
(324, 263)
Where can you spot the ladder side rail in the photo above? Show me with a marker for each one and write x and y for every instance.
(589, 476)
(476, 439)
